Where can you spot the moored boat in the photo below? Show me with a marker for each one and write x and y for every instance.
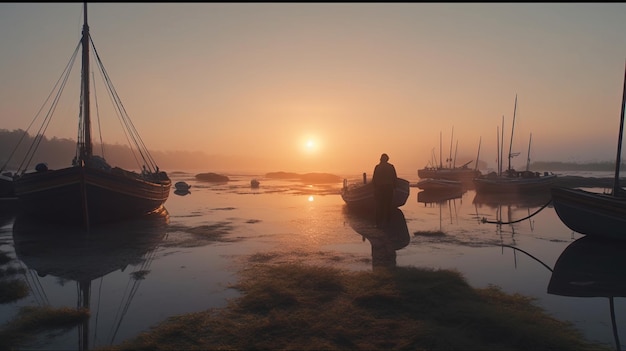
(511, 181)
(591, 213)
(90, 190)
(362, 194)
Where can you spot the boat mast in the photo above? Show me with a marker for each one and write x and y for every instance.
(618, 161)
(456, 149)
(512, 128)
(501, 148)
(528, 157)
(440, 152)
(478, 155)
(86, 148)
(449, 163)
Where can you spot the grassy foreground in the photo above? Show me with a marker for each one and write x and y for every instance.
(305, 307)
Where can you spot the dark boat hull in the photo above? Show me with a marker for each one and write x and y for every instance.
(362, 195)
(591, 213)
(84, 195)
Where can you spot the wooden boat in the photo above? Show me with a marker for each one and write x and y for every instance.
(592, 266)
(591, 213)
(90, 190)
(362, 194)
(443, 185)
(512, 181)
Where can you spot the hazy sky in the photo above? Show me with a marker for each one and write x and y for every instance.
(261, 80)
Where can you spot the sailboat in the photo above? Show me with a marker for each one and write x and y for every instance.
(512, 181)
(591, 213)
(90, 191)
(450, 171)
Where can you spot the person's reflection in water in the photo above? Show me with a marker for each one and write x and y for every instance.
(385, 242)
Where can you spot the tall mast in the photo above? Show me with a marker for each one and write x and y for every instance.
(86, 149)
(512, 128)
(618, 162)
(528, 157)
(440, 152)
(501, 148)
(478, 155)
(450, 157)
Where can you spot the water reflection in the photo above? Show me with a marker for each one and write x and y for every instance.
(592, 267)
(428, 197)
(74, 255)
(385, 241)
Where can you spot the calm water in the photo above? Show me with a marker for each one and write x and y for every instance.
(184, 262)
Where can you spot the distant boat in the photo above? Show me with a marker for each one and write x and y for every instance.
(512, 181)
(361, 195)
(254, 183)
(591, 213)
(182, 186)
(90, 190)
(449, 171)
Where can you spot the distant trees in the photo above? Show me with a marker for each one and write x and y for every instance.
(58, 153)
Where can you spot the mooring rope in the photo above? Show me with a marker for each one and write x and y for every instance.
(484, 220)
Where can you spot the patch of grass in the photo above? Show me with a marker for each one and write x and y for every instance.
(312, 307)
(30, 321)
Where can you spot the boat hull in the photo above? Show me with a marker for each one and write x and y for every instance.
(591, 213)
(84, 195)
(512, 185)
(362, 195)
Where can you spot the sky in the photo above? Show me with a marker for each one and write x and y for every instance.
(328, 87)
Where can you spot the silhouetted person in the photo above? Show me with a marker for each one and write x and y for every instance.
(384, 180)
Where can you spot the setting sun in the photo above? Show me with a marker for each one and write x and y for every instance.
(310, 144)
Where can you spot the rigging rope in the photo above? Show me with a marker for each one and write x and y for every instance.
(484, 220)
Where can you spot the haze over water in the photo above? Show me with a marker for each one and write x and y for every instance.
(329, 87)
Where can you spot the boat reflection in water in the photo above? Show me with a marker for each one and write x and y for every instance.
(385, 241)
(592, 267)
(73, 254)
(440, 197)
(516, 200)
